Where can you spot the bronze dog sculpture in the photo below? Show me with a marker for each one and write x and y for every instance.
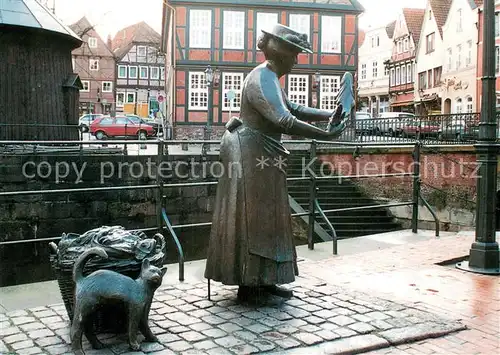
(106, 287)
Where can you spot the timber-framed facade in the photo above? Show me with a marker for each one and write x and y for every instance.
(223, 35)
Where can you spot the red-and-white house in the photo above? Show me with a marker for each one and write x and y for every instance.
(223, 34)
(402, 66)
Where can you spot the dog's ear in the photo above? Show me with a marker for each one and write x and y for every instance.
(145, 263)
(163, 270)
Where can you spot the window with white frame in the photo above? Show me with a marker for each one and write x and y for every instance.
(86, 86)
(398, 76)
(130, 97)
(363, 71)
(232, 82)
(198, 91)
(141, 51)
(331, 32)
(400, 47)
(458, 105)
(234, 29)
(328, 91)
(470, 106)
(450, 59)
(155, 73)
(459, 20)
(386, 70)
(393, 78)
(409, 73)
(406, 45)
(120, 99)
(298, 89)
(265, 21)
(200, 28)
(122, 72)
(162, 73)
(403, 75)
(143, 72)
(107, 86)
(132, 72)
(94, 64)
(301, 23)
(92, 42)
(375, 69)
(459, 56)
(468, 58)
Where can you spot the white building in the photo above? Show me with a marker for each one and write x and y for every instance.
(460, 37)
(373, 77)
(430, 58)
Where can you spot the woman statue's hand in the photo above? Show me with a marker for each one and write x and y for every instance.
(336, 125)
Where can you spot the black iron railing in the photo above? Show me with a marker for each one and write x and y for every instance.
(460, 128)
(163, 222)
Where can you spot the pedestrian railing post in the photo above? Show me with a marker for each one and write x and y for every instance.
(312, 198)
(416, 187)
(159, 182)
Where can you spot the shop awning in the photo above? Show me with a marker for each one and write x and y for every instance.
(402, 103)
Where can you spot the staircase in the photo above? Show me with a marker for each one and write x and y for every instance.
(335, 194)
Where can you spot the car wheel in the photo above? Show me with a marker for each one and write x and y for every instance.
(100, 135)
(142, 135)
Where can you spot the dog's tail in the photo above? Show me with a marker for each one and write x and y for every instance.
(82, 259)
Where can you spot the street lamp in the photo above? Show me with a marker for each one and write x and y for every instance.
(135, 104)
(212, 79)
(484, 252)
(317, 85)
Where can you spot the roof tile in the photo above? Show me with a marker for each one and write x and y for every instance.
(440, 9)
(414, 19)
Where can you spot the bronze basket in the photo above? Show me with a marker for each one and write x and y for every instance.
(109, 319)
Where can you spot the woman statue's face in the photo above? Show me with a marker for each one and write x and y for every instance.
(285, 56)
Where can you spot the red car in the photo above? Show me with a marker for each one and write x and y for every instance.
(424, 128)
(120, 126)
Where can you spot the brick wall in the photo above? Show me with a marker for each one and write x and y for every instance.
(25, 217)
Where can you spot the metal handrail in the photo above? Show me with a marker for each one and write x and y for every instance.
(433, 213)
(314, 207)
(177, 243)
(329, 224)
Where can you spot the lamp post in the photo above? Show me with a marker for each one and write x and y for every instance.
(212, 78)
(484, 252)
(317, 85)
(135, 104)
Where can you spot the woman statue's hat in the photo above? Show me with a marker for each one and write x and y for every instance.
(294, 38)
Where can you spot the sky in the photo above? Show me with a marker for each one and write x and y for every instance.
(109, 16)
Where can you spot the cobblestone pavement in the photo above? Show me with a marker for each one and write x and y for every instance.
(186, 322)
(411, 273)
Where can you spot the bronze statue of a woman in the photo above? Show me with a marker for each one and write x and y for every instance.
(251, 241)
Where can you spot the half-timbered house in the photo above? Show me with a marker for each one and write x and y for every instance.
(223, 34)
(140, 70)
(402, 63)
(94, 62)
